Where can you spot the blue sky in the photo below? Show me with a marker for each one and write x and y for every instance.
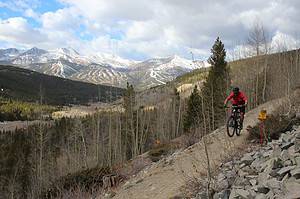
(140, 29)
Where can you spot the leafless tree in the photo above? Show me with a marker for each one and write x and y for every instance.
(258, 39)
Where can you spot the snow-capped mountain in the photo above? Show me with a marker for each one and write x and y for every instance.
(100, 68)
(112, 60)
(8, 54)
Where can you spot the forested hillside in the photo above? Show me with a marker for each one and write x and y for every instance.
(26, 85)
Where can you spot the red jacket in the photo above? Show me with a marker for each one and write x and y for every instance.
(240, 99)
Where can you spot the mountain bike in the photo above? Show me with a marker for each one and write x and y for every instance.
(233, 122)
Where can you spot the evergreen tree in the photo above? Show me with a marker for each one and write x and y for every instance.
(130, 120)
(214, 89)
(192, 116)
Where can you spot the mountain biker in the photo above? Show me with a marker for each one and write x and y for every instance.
(238, 98)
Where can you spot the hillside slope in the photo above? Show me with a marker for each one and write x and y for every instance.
(28, 85)
(165, 178)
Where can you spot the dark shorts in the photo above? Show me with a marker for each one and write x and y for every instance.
(242, 109)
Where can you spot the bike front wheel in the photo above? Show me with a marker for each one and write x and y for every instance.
(231, 127)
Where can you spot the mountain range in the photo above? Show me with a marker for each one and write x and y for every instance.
(100, 68)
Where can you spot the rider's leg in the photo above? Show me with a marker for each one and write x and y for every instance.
(242, 117)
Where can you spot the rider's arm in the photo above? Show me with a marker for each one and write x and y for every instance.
(228, 98)
(244, 97)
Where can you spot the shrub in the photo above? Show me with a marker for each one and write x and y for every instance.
(86, 180)
(275, 125)
(161, 150)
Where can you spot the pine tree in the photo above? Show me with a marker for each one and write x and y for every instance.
(191, 118)
(130, 120)
(214, 89)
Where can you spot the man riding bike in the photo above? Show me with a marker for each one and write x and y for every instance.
(238, 98)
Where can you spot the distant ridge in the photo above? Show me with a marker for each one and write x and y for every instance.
(26, 85)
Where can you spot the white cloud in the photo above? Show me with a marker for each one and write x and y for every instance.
(281, 42)
(31, 14)
(143, 31)
(20, 5)
(62, 19)
(18, 31)
(156, 27)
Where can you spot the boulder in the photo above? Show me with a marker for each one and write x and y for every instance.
(109, 194)
(222, 195)
(297, 133)
(273, 184)
(257, 155)
(228, 164)
(274, 173)
(230, 176)
(285, 155)
(253, 182)
(267, 153)
(288, 163)
(285, 170)
(262, 177)
(262, 189)
(296, 173)
(239, 193)
(260, 196)
(297, 160)
(241, 182)
(270, 194)
(277, 163)
(285, 178)
(247, 159)
(256, 164)
(298, 115)
(221, 177)
(202, 195)
(297, 146)
(222, 185)
(287, 145)
(292, 189)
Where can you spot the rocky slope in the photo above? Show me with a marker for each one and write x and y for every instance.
(272, 171)
(100, 68)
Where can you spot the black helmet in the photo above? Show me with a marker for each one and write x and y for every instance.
(236, 90)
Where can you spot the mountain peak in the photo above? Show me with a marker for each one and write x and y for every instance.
(34, 51)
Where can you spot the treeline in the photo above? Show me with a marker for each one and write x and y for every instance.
(267, 77)
(12, 110)
(25, 85)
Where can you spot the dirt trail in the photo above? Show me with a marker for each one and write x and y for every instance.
(164, 179)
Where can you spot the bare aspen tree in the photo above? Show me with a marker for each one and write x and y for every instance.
(212, 107)
(265, 79)
(41, 151)
(257, 38)
(84, 146)
(205, 148)
(110, 137)
(178, 117)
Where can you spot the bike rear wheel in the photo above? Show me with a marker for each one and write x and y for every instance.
(231, 127)
(238, 126)
(238, 131)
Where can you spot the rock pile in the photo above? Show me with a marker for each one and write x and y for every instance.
(271, 172)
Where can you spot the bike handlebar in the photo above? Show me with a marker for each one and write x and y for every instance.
(236, 106)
